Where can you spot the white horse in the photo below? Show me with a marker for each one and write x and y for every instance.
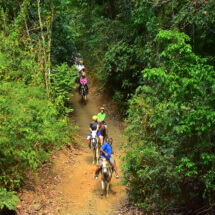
(107, 171)
(95, 147)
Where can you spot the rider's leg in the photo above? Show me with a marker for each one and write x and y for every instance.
(100, 137)
(101, 140)
(86, 87)
(88, 141)
(97, 170)
(106, 129)
(115, 167)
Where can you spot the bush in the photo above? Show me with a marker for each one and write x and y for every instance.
(170, 149)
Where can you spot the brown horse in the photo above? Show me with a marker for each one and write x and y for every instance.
(102, 130)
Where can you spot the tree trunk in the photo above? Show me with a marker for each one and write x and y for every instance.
(49, 42)
(185, 196)
(46, 80)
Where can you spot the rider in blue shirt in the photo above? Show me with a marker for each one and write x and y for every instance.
(106, 152)
(106, 149)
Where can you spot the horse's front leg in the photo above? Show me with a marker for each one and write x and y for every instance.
(97, 156)
(94, 160)
(107, 188)
(103, 188)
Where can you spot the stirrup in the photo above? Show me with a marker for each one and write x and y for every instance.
(117, 176)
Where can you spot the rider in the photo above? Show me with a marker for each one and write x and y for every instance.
(80, 66)
(107, 152)
(83, 80)
(101, 118)
(94, 127)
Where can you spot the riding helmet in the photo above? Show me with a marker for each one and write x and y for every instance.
(110, 140)
(94, 118)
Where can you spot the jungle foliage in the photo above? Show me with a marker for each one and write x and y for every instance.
(34, 88)
(156, 58)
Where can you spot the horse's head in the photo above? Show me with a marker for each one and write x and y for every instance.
(94, 140)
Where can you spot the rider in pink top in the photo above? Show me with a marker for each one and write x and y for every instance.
(83, 80)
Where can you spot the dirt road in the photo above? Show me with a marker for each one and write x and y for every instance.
(66, 185)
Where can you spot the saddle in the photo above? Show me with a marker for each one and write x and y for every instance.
(108, 160)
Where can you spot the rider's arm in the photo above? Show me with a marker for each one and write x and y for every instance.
(104, 152)
(90, 128)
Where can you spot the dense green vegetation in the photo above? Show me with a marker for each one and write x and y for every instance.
(156, 58)
(34, 88)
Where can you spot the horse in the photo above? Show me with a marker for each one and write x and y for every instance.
(83, 92)
(106, 172)
(102, 130)
(95, 145)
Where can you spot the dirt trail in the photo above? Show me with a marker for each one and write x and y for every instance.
(83, 190)
(66, 186)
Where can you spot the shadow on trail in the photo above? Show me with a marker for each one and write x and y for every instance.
(83, 102)
(89, 159)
